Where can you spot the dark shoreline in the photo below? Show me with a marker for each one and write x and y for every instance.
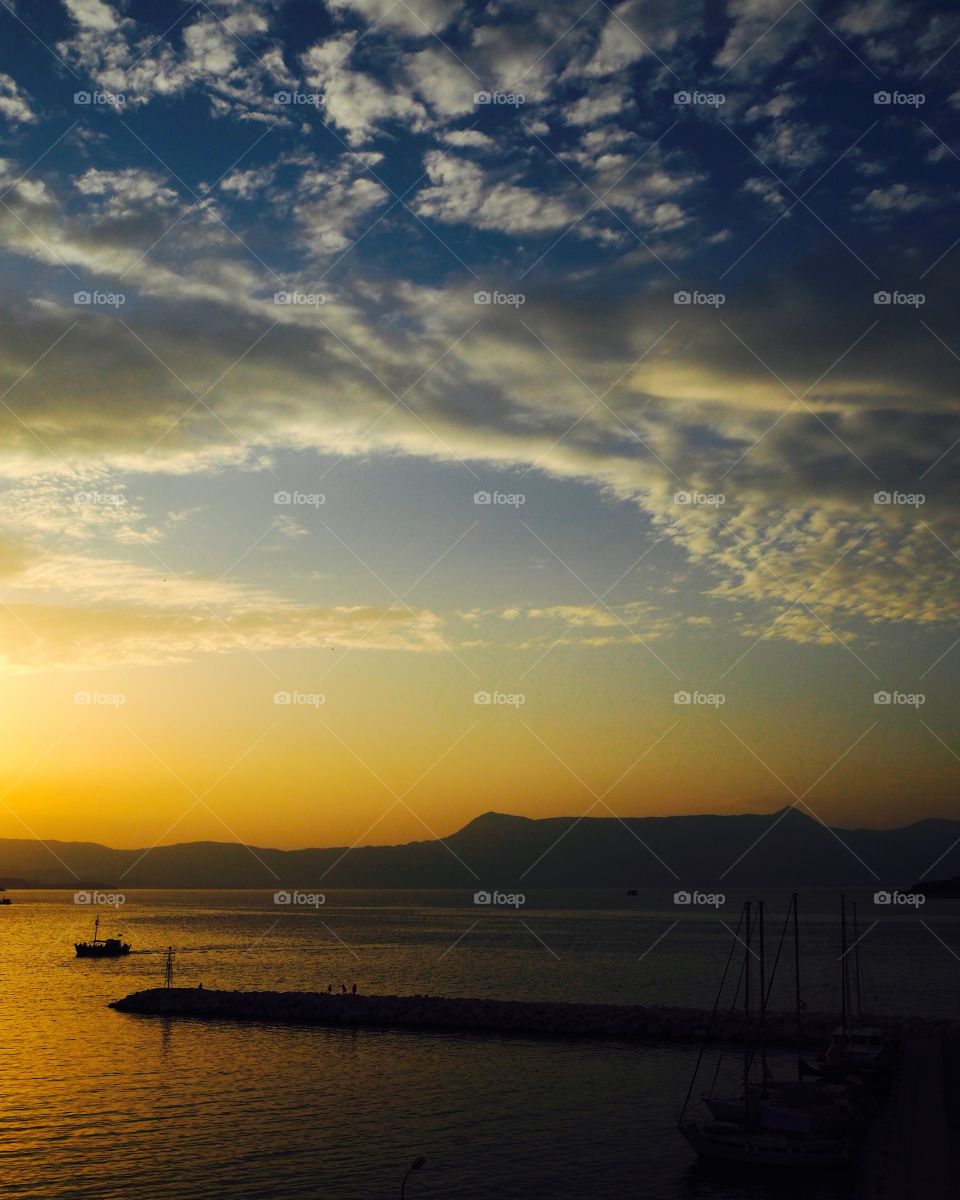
(520, 1017)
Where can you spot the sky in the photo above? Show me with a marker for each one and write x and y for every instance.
(413, 409)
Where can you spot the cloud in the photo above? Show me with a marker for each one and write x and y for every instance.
(125, 59)
(92, 14)
(45, 636)
(442, 81)
(417, 18)
(873, 16)
(598, 103)
(332, 204)
(461, 192)
(67, 609)
(896, 198)
(772, 400)
(792, 145)
(14, 104)
(760, 34)
(362, 106)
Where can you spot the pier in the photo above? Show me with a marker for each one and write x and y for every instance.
(508, 1017)
(912, 1152)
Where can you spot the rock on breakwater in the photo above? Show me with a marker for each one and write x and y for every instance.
(464, 1014)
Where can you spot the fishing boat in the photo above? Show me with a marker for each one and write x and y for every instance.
(769, 1123)
(99, 947)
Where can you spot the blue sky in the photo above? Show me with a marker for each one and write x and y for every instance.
(169, 170)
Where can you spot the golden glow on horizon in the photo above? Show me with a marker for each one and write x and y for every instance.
(202, 752)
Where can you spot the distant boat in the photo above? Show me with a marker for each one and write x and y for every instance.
(6, 900)
(100, 947)
(632, 892)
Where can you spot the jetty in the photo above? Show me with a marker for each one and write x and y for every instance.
(913, 1151)
(509, 1017)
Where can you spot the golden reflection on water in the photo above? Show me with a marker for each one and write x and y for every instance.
(98, 1105)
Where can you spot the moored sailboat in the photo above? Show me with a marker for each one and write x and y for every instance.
(771, 1123)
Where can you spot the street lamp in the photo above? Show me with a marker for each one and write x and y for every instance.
(414, 1166)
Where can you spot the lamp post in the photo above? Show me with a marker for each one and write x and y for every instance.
(414, 1166)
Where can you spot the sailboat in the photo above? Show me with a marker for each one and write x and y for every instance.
(856, 1048)
(770, 1123)
(100, 947)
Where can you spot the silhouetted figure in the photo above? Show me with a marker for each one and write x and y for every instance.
(329, 988)
(354, 989)
(199, 987)
(343, 988)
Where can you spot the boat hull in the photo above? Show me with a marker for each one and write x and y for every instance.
(84, 950)
(729, 1143)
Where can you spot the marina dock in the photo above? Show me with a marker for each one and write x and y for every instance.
(913, 1151)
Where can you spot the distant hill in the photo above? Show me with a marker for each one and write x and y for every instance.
(784, 849)
(938, 889)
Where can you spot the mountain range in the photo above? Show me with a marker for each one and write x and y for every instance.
(496, 850)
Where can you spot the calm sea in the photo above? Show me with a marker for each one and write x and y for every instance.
(101, 1105)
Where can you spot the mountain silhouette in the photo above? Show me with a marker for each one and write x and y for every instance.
(782, 849)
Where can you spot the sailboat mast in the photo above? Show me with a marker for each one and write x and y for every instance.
(844, 982)
(746, 1011)
(796, 981)
(763, 1000)
(857, 973)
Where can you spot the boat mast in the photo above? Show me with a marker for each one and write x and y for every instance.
(796, 979)
(857, 972)
(746, 1013)
(844, 981)
(763, 1002)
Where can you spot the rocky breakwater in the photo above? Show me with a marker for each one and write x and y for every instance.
(463, 1014)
